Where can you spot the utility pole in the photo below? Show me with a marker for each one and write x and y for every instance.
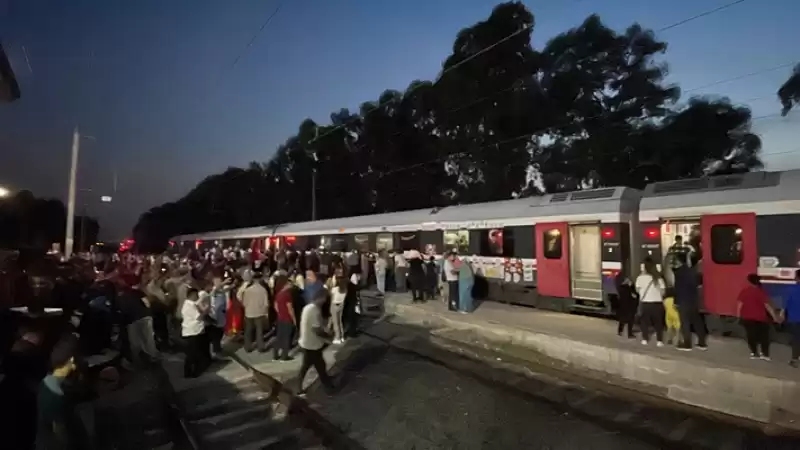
(314, 179)
(69, 238)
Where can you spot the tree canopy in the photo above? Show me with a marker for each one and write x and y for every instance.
(590, 108)
(789, 93)
(30, 222)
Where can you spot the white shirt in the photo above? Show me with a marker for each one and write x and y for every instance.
(192, 321)
(310, 318)
(354, 278)
(652, 294)
(400, 260)
(449, 268)
(337, 298)
(381, 265)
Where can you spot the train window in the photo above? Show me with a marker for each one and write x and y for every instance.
(508, 242)
(384, 241)
(726, 244)
(491, 242)
(457, 240)
(552, 244)
(361, 242)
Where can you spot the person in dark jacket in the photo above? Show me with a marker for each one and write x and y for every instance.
(688, 302)
(431, 278)
(416, 277)
(628, 304)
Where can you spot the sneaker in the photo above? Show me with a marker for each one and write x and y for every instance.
(337, 341)
(702, 347)
(684, 348)
(766, 358)
(659, 344)
(644, 342)
(753, 356)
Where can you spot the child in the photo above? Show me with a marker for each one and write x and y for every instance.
(672, 317)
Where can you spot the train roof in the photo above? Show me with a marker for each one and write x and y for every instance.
(764, 193)
(389, 222)
(595, 205)
(238, 233)
(603, 205)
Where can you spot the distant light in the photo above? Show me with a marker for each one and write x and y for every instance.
(608, 233)
(105, 199)
(4, 192)
(651, 233)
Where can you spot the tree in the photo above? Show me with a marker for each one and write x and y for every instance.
(591, 108)
(30, 222)
(789, 93)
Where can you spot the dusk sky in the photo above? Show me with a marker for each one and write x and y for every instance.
(154, 81)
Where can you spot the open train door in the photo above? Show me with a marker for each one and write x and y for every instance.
(729, 255)
(552, 259)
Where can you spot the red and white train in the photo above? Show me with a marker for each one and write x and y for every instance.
(562, 251)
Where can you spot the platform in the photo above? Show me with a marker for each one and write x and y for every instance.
(722, 379)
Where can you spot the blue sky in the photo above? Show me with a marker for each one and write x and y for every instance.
(154, 82)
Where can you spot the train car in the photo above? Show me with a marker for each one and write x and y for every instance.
(735, 225)
(368, 233)
(557, 251)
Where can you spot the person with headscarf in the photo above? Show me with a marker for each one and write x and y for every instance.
(466, 281)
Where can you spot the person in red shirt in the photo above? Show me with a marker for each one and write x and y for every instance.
(754, 312)
(286, 321)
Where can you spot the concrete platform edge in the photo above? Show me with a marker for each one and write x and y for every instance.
(754, 397)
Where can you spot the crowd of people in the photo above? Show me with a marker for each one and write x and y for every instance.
(671, 309)
(106, 314)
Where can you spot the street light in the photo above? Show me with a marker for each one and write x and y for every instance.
(4, 192)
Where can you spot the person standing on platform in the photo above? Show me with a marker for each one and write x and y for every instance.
(466, 281)
(59, 427)
(400, 271)
(312, 341)
(688, 302)
(381, 265)
(627, 305)
(791, 315)
(218, 314)
(194, 334)
(754, 312)
(286, 322)
(451, 276)
(312, 286)
(255, 300)
(651, 286)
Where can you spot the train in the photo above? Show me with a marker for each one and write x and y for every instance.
(563, 251)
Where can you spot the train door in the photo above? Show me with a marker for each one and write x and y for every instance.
(691, 237)
(552, 259)
(586, 262)
(729, 255)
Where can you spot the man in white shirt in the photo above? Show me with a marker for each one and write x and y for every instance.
(451, 276)
(312, 341)
(400, 271)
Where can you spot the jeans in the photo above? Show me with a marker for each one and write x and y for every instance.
(380, 279)
(691, 318)
(215, 337)
(313, 358)
(795, 330)
(283, 339)
(652, 317)
(142, 339)
(757, 336)
(400, 274)
(197, 358)
(337, 312)
(254, 325)
(452, 296)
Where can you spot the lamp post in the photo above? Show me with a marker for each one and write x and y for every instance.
(69, 238)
